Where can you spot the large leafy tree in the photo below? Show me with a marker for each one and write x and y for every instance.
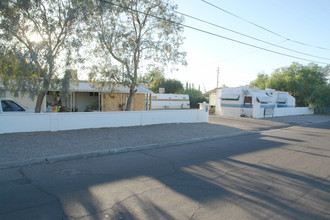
(13, 66)
(319, 99)
(40, 32)
(133, 32)
(260, 82)
(304, 82)
(170, 85)
(300, 80)
(155, 79)
(173, 86)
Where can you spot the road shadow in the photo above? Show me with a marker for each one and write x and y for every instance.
(191, 181)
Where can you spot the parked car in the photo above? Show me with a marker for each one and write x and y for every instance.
(10, 106)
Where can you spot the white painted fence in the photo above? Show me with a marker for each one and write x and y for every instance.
(30, 122)
(293, 111)
(259, 112)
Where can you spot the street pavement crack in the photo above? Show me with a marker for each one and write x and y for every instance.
(27, 208)
(57, 200)
(192, 216)
(174, 168)
(119, 202)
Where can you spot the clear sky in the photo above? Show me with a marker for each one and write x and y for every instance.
(305, 21)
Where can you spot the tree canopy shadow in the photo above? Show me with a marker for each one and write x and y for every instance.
(199, 178)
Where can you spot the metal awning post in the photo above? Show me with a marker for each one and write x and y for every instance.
(74, 101)
(99, 99)
(70, 96)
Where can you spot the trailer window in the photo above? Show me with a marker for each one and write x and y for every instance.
(248, 100)
(230, 99)
(281, 100)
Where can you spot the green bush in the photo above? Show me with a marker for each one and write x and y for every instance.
(195, 97)
(319, 100)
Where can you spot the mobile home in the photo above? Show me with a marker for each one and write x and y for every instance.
(251, 102)
(170, 101)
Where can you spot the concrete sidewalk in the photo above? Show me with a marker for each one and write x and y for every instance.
(21, 149)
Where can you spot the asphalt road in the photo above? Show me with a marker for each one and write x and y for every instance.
(281, 173)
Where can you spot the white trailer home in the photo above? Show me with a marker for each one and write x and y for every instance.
(256, 103)
(284, 100)
(169, 101)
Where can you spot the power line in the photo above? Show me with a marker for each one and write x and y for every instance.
(263, 28)
(247, 53)
(236, 32)
(247, 44)
(210, 33)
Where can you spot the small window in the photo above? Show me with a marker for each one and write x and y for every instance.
(10, 106)
(248, 100)
(281, 100)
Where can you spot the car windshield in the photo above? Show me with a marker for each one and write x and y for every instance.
(10, 106)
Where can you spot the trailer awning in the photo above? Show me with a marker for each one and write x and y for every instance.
(229, 96)
(263, 99)
(281, 99)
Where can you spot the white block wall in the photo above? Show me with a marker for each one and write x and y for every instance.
(293, 111)
(31, 122)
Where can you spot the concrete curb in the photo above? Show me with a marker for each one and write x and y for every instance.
(66, 157)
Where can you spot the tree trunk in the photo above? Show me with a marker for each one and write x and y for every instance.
(39, 102)
(41, 96)
(130, 99)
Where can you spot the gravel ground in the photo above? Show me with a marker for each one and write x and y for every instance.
(23, 146)
(27, 146)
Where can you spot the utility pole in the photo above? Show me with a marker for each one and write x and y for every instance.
(218, 71)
